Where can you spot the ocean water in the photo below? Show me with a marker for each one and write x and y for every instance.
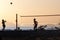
(27, 23)
(48, 27)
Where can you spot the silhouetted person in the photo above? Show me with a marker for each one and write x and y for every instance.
(35, 24)
(41, 27)
(3, 24)
(57, 28)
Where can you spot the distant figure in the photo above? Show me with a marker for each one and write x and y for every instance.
(57, 28)
(42, 27)
(18, 28)
(3, 24)
(35, 24)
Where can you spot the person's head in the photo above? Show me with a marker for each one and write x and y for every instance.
(34, 19)
(2, 19)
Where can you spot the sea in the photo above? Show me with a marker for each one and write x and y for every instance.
(27, 23)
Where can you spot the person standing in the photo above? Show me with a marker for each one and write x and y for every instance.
(35, 24)
(3, 24)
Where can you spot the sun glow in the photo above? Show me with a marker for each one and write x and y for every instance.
(28, 7)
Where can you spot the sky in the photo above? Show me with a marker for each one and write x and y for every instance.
(29, 7)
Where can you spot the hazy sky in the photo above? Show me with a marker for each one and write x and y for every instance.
(27, 7)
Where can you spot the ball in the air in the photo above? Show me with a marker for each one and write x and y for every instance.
(11, 3)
